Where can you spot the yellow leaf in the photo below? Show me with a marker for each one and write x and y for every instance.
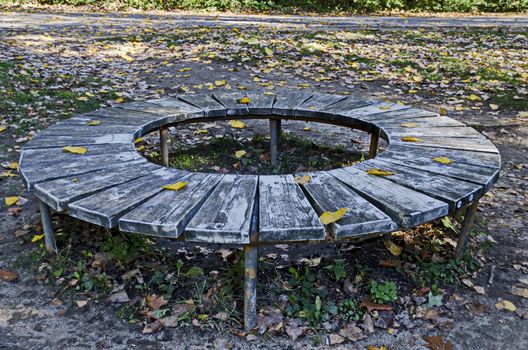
(443, 160)
(220, 82)
(7, 174)
(379, 172)
(176, 186)
(410, 139)
(303, 180)
(184, 69)
(328, 217)
(2, 128)
(237, 124)
(13, 165)
(409, 125)
(523, 114)
(307, 128)
(506, 305)
(126, 57)
(386, 108)
(75, 150)
(418, 78)
(442, 111)
(201, 131)
(473, 97)
(140, 148)
(94, 122)
(268, 51)
(240, 154)
(138, 140)
(354, 65)
(11, 200)
(244, 100)
(494, 106)
(392, 247)
(82, 98)
(119, 100)
(36, 238)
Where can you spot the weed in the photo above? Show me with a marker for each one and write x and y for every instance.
(349, 310)
(383, 292)
(338, 269)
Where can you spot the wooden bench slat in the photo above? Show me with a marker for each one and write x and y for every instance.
(348, 104)
(287, 100)
(106, 207)
(396, 113)
(397, 133)
(471, 144)
(261, 104)
(59, 193)
(483, 176)
(86, 130)
(47, 141)
(167, 214)
(318, 102)
(365, 113)
(438, 121)
(177, 110)
(45, 171)
(326, 193)
(29, 157)
(404, 205)
(490, 160)
(210, 106)
(230, 102)
(456, 193)
(285, 214)
(226, 215)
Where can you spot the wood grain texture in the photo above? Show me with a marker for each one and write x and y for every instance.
(206, 102)
(261, 104)
(285, 214)
(366, 113)
(347, 104)
(404, 205)
(455, 192)
(396, 112)
(326, 193)
(426, 121)
(106, 207)
(287, 100)
(470, 144)
(168, 213)
(318, 102)
(397, 133)
(177, 110)
(230, 102)
(59, 193)
(44, 140)
(225, 217)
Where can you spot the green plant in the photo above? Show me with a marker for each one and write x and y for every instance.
(126, 248)
(349, 310)
(338, 269)
(383, 292)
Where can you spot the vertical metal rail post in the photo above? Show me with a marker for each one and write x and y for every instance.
(373, 149)
(469, 220)
(275, 131)
(250, 274)
(164, 138)
(45, 216)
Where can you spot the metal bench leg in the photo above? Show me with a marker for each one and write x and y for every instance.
(275, 130)
(250, 286)
(469, 219)
(49, 237)
(164, 137)
(373, 149)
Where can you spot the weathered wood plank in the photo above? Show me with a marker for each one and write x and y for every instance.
(430, 131)
(261, 103)
(167, 214)
(226, 215)
(230, 102)
(210, 106)
(483, 176)
(438, 121)
(287, 100)
(405, 206)
(44, 140)
(348, 104)
(29, 157)
(455, 192)
(59, 193)
(106, 207)
(177, 110)
(45, 171)
(326, 193)
(394, 112)
(480, 144)
(285, 214)
(318, 102)
(86, 130)
(491, 160)
(366, 113)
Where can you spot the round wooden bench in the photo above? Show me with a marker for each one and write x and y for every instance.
(111, 184)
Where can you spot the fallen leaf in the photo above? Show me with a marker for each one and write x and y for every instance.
(81, 303)
(11, 200)
(521, 292)
(443, 160)
(268, 51)
(303, 180)
(479, 290)
(494, 106)
(505, 305)
(474, 97)
(2, 128)
(237, 124)
(379, 172)
(13, 165)
(154, 302)
(442, 111)
(437, 343)
(94, 122)
(138, 140)
(179, 310)
(244, 100)
(240, 154)
(220, 82)
(119, 100)
(74, 150)
(410, 139)
(36, 238)
(329, 217)
(336, 339)
(176, 186)
(393, 248)
(368, 304)
(119, 297)
(389, 263)
(409, 125)
(7, 174)
(8, 276)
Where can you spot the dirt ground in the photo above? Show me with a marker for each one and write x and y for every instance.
(35, 314)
